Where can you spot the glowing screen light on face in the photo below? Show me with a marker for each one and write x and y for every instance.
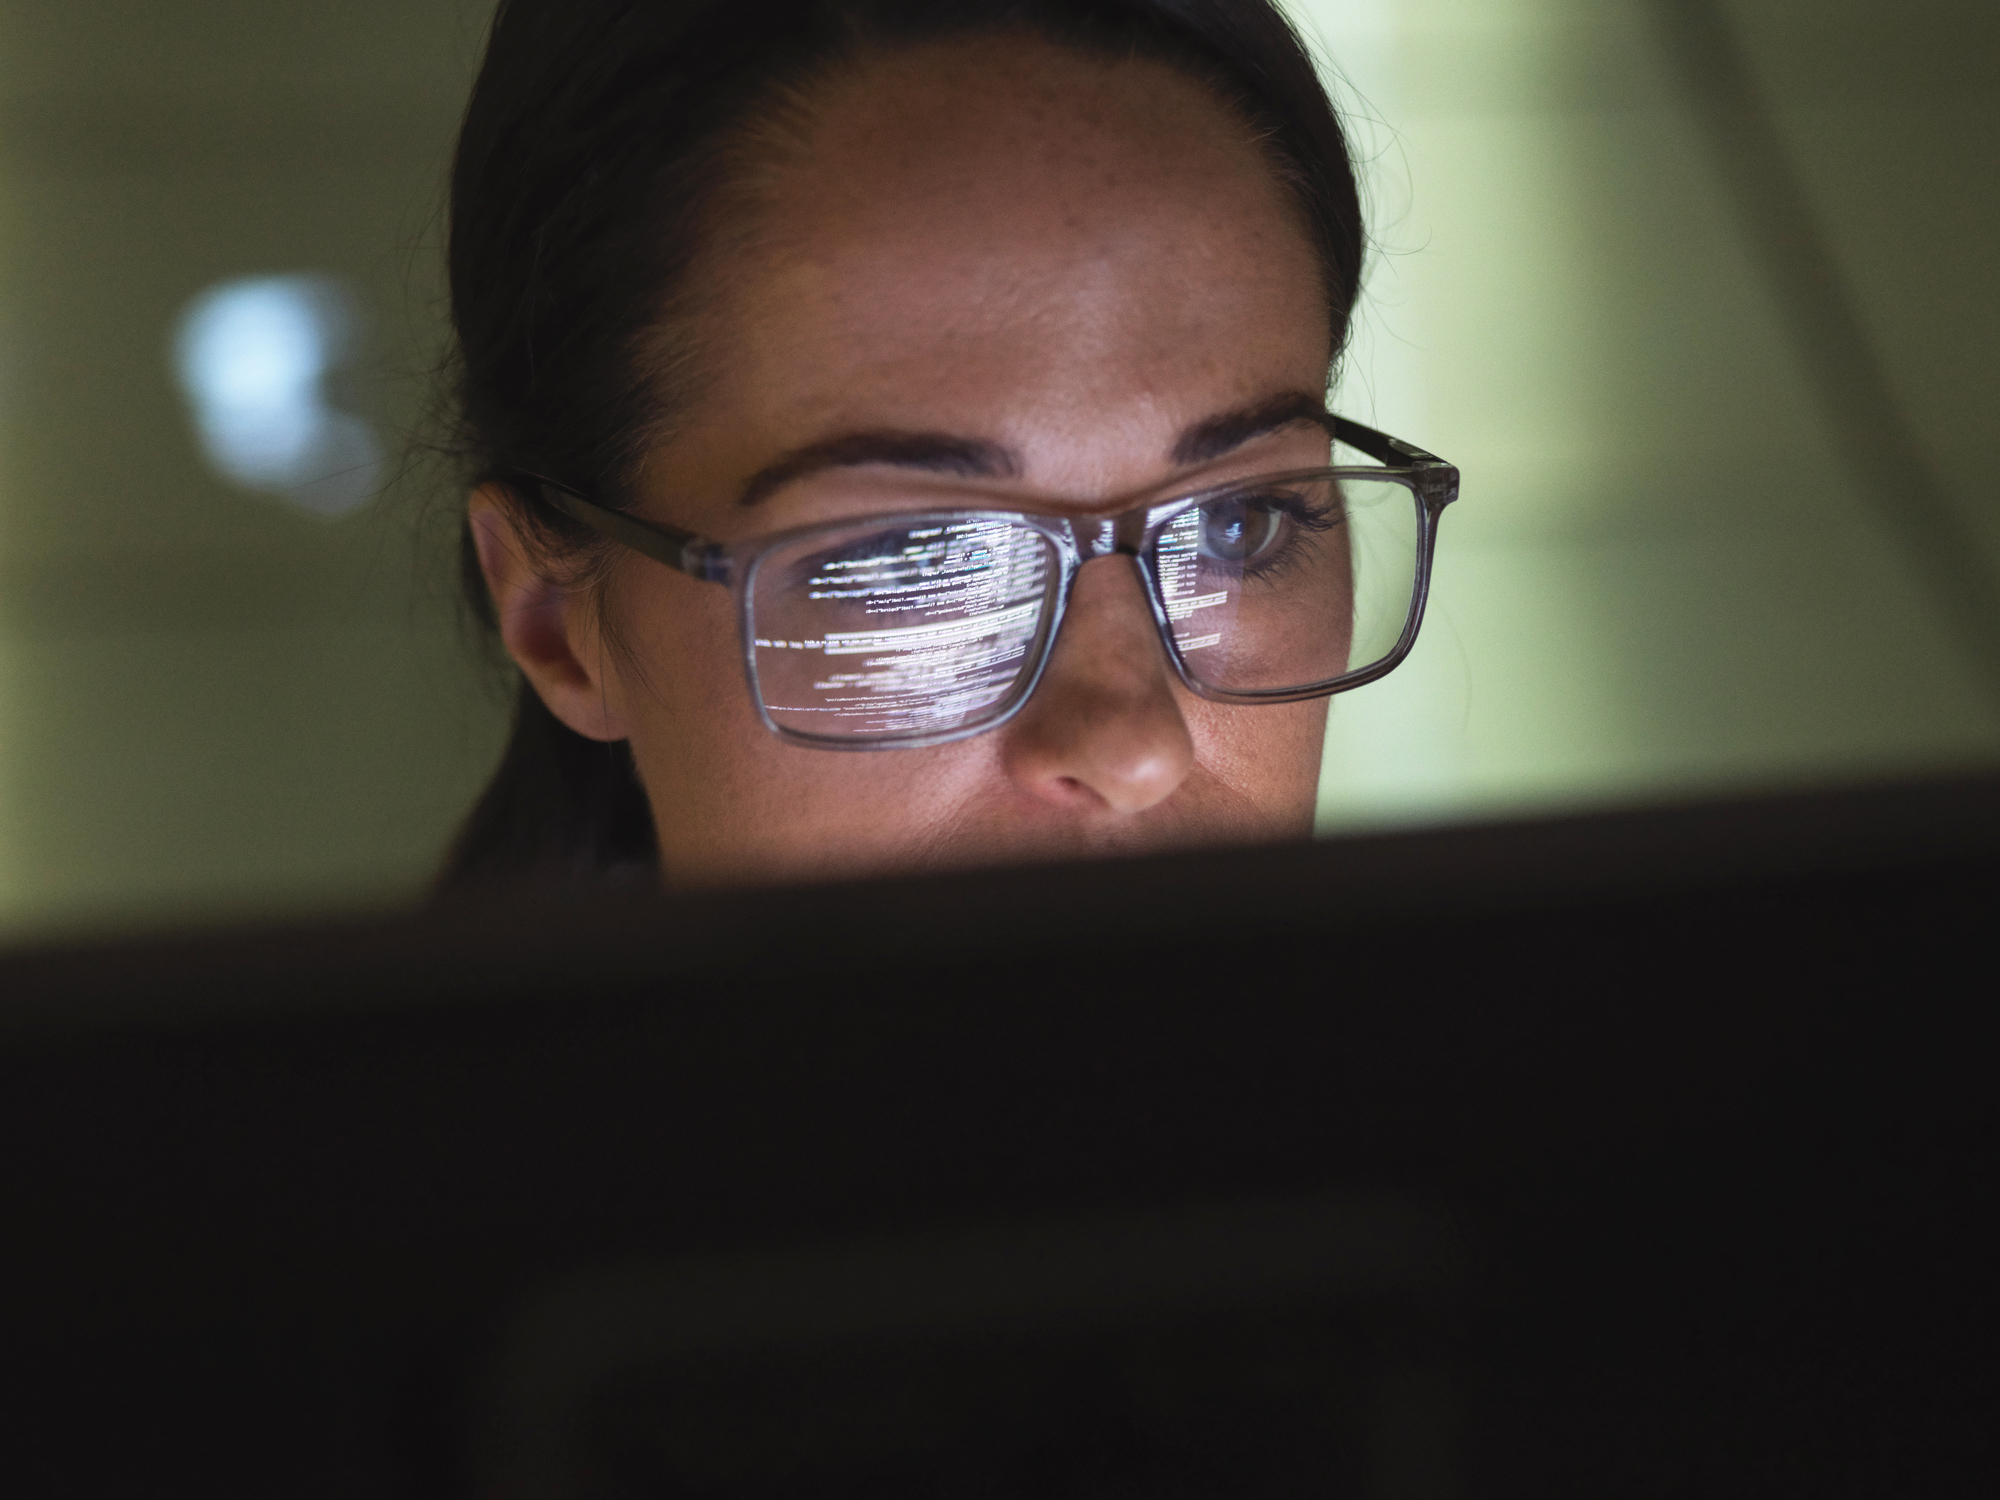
(253, 357)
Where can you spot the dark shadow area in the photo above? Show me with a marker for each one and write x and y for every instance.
(1636, 1155)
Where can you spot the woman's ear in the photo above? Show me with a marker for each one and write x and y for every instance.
(551, 633)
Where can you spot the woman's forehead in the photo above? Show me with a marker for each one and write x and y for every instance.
(1032, 270)
(1025, 109)
(1011, 154)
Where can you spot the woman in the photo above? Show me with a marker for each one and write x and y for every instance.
(940, 380)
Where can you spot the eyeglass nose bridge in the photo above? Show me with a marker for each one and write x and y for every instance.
(1103, 536)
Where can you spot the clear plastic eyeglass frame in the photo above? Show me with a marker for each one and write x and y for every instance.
(1076, 539)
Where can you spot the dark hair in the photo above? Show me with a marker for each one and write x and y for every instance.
(596, 136)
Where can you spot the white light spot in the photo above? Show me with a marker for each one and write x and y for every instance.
(253, 356)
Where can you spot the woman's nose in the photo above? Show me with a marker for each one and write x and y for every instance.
(1104, 729)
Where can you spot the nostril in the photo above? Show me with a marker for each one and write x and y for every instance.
(1075, 792)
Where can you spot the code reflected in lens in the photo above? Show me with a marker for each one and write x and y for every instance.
(899, 632)
(1289, 584)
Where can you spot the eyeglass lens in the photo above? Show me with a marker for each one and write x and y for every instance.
(895, 631)
(1289, 585)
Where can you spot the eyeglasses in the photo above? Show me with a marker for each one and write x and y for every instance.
(927, 626)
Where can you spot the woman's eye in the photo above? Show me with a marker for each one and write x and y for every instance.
(1238, 531)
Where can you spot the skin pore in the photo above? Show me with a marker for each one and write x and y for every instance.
(988, 271)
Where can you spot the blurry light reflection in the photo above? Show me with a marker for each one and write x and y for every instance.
(253, 356)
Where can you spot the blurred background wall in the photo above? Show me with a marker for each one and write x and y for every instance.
(1666, 575)
(232, 682)
(214, 697)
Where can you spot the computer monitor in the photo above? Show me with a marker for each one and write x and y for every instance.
(1646, 1152)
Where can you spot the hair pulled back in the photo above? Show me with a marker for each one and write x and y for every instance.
(596, 137)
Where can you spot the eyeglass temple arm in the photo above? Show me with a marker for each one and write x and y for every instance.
(1439, 485)
(680, 550)
(1391, 450)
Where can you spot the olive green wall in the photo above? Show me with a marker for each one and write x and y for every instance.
(212, 701)
(1662, 577)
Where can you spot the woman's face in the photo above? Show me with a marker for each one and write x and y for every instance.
(1081, 270)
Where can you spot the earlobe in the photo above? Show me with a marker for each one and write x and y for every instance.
(549, 630)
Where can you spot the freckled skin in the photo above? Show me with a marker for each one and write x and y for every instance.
(1073, 258)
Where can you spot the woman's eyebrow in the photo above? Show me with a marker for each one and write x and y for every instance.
(939, 452)
(1212, 437)
(975, 458)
